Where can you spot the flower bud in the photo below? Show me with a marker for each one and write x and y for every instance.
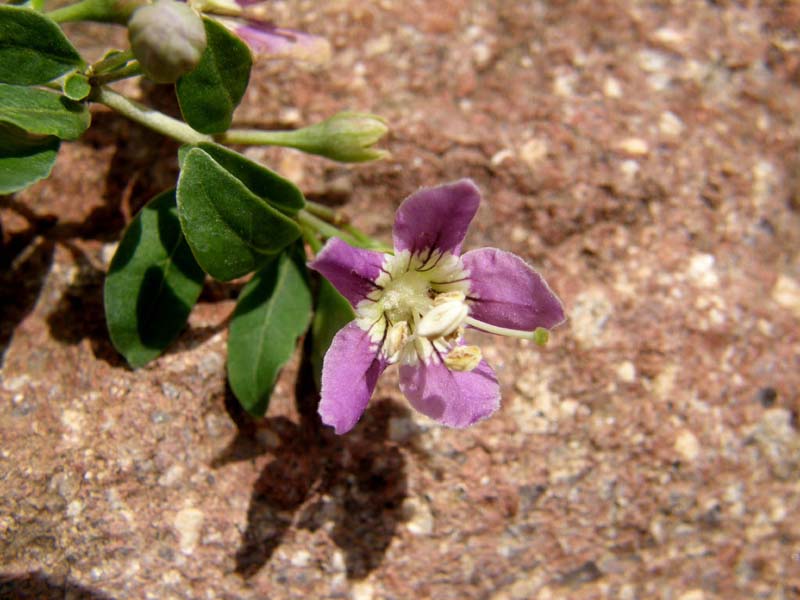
(168, 38)
(346, 137)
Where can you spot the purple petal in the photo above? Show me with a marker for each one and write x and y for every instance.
(454, 398)
(352, 271)
(507, 292)
(436, 217)
(265, 39)
(349, 374)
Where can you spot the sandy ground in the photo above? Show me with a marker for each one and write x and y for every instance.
(643, 155)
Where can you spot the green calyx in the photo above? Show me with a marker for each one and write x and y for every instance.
(346, 137)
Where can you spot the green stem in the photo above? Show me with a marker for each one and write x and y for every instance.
(324, 212)
(325, 229)
(103, 11)
(335, 218)
(80, 11)
(131, 70)
(256, 137)
(310, 236)
(177, 130)
(366, 241)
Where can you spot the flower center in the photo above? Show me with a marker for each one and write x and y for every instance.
(418, 307)
(405, 296)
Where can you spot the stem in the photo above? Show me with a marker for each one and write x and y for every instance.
(102, 11)
(177, 130)
(365, 240)
(325, 212)
(310, 236)
(80, 11)
(256, 137)
(337, 219)
(325, 229)
(130, 70)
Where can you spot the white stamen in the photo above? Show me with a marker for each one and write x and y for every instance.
(463, 358)
(396, 339)
(442, 319)
(448, 297)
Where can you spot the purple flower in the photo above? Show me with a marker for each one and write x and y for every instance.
(262, 37)
(266, 39)
(412, 307)
(270, 41)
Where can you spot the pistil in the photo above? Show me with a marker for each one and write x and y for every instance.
(540, 335)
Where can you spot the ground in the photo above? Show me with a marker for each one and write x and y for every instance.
(642, 155)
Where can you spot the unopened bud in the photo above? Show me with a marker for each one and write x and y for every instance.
(346, 137)
(168, 39)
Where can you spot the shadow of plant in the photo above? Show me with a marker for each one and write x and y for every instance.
(139, 169)
(39, 586)
(24, 264)
(356, 483)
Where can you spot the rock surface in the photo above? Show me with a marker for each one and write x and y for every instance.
(642, 155)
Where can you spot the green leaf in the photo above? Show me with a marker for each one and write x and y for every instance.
(24, 158)
(209, 94)
(231, 231)
(76, 86)
(272, 312)
(152, 284)
(42, 112)
(267, 185)
(33, 49)
(333, 312)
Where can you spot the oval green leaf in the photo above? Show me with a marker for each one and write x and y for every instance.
(332, 312)
(231, 231)
(24, 158)
(33, 49)
(209, 94)
(272, 312)
(42, 112)
(267, 185)
(152, 284)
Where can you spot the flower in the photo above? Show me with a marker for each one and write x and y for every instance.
(413, 306)
(265, 39)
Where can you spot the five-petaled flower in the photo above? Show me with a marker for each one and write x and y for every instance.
(412, 308)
